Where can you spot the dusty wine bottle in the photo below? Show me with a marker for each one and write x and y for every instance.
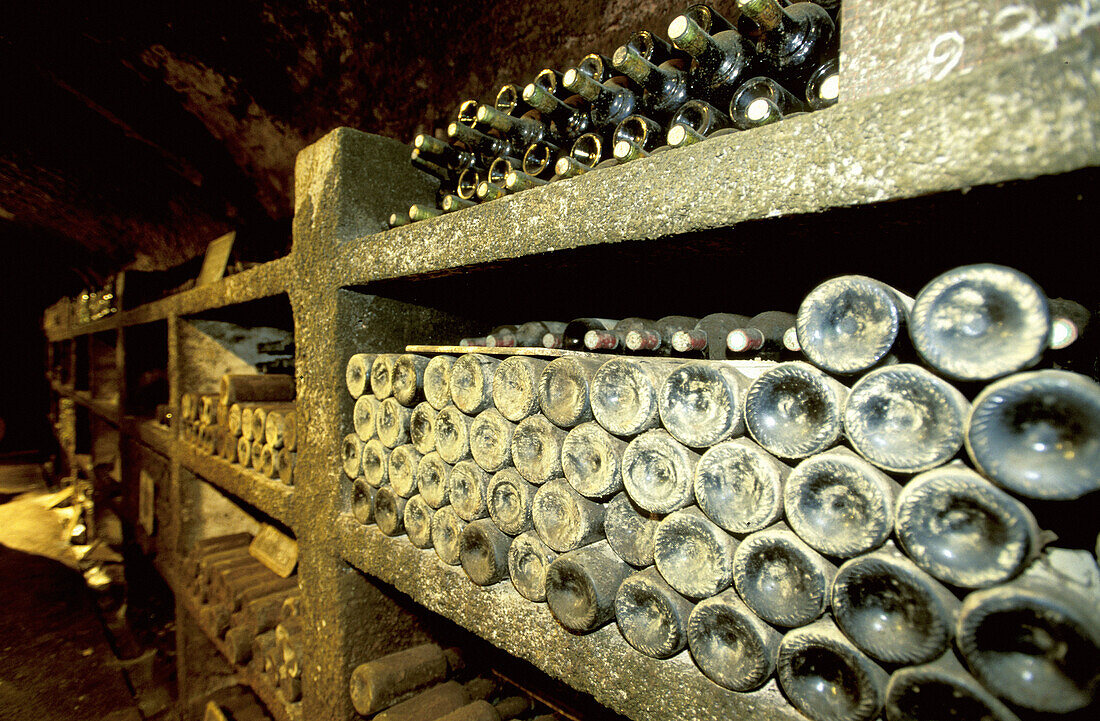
(695, 120)
(417, 519)
(422, 427)
(468, 485)
(375, 463)
(426, 163)
(657, 337)
(693, 555)
(796, 38)
(783, 580)
(723, 60)
(666, 85)
(839, 503)
(389, 511)
(510, 498)
(467, 183)
(536, 449)
(941, 689)
(431, 480)
(362, 501)
(739, 486)
(437, 381)
(588, 151)
(483, 552)
(730, 644)
(404, 461)
(569, 117)
(486, 146)
(979, 322)
(396, 220)
(651, 615)
(573, 336)
(393, 423)
(381, 375)
(904, 419)
(408, 378)
(491, 440)
(849, 324)
(1037, 434)
(564, 390)
(451, 203)
(386, 681)
(357, 374)
(708, 335)
(611, 100)
(528, 560)
(794, 410)
(581, 587)
(447, 529)
(452, 434)
(964, 530)
(350, 455)
(614, 339)
(509, 99)
(895, 612)
(764, 332)
(700, 403)
(761, 101)
(472, 382)
(657, 472)
(826, 677)
(1035, 641)
(515, 386)
(538, 162)
(591, 459)
(629, 530)
(823, 87)
(523, 130)
(564, 519)
(624, 392)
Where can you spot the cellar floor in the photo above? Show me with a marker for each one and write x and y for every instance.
(56, 657)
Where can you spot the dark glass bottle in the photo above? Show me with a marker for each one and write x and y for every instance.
(611, 100)
(509, 99)
(651, 615)
(515, 386)
(437, 381)
(564, 390)
(596, 66)
(693, 555)
(431, 480)
(528, 561)
(823, 87)
(701, 403)
(849, 324)
(657, 472)
(588, 150)
(570, 116)
(483, 552)
(783, 580)
(629, 530)
(1034, 641)
(487, 146)
(709, 334)
(979, 322)
(581, 587)
(794, 410)
(472, 382)
(839, 503)
(658, 336)
(540, 158)
(1037, 434)
(468, 484)
(564, 519)
(418, 522)
(536, 449)
(639, 132)
(510, 498)
(408, 378)
(624, 393)
(731, 645)
(422, 427)
(796, 39)
(667, 85)
(591, 459)
(762, 101)
(904, 419)
(891, 609)
(964, 530)
(826, 677)
(695, 121)
(723, 59)
(573, 336)
(491, 440)
(522, 130)
(739, 486)
(614, 339)
(941, 689)
(447, 530)
(764, 332)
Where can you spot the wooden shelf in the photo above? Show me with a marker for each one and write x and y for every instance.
(599, 663)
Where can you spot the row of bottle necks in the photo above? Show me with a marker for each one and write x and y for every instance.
(515, 523)
(716, 77)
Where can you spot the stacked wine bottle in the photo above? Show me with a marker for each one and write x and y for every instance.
(817, 521)
(768, 61)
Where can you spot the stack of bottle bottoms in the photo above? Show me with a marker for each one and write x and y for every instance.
(764, 61)
(254, 610)
(250, 421)
(430, 682)
(818, 520)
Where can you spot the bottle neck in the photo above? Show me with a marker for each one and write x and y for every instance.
(656, 79)
(768, 14)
